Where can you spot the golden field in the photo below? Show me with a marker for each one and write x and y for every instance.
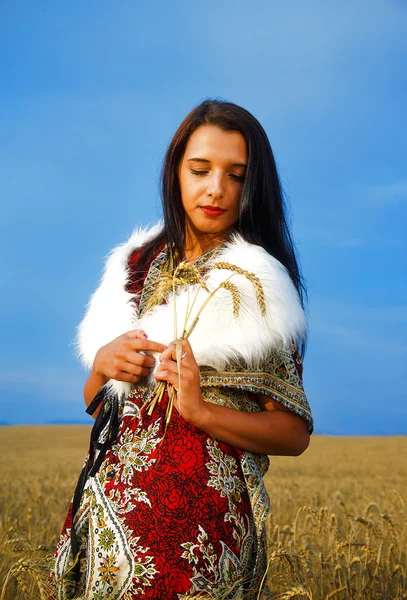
(338, 527)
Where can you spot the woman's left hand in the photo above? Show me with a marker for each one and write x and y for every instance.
(189, 401)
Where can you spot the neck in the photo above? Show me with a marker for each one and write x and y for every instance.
(198, 243)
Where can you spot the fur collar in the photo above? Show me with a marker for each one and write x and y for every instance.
(219, 336)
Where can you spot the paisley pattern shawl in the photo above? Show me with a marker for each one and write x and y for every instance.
(278, 376)
(147, 475)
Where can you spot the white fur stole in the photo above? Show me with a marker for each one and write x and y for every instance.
(218, 336)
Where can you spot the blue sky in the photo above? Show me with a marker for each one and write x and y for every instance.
(90, 95)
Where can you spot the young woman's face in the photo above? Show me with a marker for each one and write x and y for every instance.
(211, 176)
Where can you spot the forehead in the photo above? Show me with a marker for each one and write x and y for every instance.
(212, 143)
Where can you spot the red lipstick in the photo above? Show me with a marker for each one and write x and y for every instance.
(213, 211)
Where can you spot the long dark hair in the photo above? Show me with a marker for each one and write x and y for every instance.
(263, 212)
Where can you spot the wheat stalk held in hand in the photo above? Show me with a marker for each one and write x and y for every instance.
(194, 277)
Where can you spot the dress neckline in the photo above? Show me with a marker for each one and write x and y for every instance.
(161, 269)
(164, 255)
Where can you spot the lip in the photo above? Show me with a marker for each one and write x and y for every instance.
(213, 211)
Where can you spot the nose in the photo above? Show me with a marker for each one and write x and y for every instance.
(215, 185)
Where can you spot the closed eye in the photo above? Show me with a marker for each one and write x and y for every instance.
(231, 175)
(199, 173)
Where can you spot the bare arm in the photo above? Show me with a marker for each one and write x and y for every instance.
(273, 430)
(92, 385)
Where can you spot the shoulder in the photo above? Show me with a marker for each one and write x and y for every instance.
(263, 275)
(110, 312)
(140, 258)
(126, 253)
(253, 258)
(116, 269)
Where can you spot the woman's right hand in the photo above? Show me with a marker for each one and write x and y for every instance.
(123, 359)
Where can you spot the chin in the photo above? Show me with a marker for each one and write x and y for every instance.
(212, 227)
(214, 230)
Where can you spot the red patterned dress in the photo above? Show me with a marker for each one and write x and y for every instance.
(176, 511)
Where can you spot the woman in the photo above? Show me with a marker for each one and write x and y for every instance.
(171, 499)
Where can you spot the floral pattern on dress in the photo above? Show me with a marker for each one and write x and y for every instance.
(223, 468)
(174, 511)
(228, 575)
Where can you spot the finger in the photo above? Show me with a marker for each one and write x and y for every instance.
(168, 371)
(186, 350)
(168, 365)
(167, 375)
(144, 360)
(167, 353)
(186, 345)
(136, 333)
(145, 344)
(136, 358)
(133, 369)
(127, 377)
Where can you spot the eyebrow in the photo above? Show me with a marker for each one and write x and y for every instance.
(205, 160)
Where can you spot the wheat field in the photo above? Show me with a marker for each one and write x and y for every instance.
(338, 525)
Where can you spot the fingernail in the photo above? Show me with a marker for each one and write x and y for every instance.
(145, 335)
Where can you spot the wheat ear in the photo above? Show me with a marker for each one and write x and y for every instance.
(254, 280)
(233, 289)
